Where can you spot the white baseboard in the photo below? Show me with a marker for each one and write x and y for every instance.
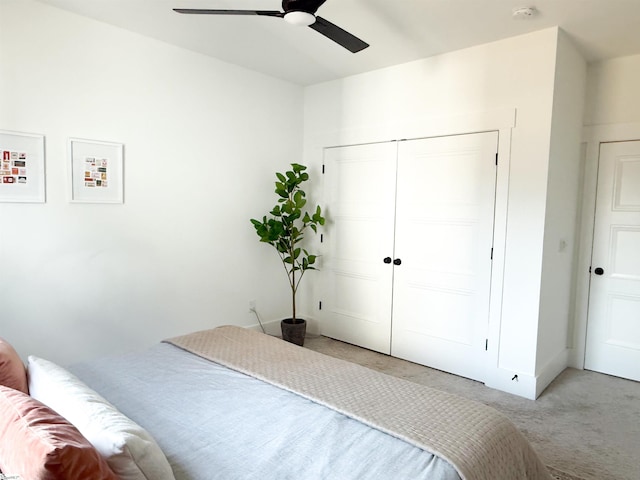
(551, 370)
(272, 327)
(527, 385)
(510, 381)
(576, 359)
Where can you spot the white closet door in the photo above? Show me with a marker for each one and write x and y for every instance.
(613, 331)
(444, 236)
(357, 284)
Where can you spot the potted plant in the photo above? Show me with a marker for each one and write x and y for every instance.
(284, 229)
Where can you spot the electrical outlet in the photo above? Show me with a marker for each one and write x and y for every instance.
(252, 305)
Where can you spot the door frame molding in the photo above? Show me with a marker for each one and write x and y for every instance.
(592, 137)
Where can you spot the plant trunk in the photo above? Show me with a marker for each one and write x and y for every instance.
(293, 296)
(293, 288)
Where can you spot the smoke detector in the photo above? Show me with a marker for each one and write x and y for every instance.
(524, 12)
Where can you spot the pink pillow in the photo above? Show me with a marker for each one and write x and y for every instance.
(38, 444)
(13, 373)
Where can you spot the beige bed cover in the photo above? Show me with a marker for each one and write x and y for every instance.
(477, 440)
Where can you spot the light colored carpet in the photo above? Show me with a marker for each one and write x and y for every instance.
(584, 424)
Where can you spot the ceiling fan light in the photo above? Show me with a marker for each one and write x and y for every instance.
(300, 18)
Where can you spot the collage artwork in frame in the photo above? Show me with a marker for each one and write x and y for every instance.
(22, 167)
(96, 171)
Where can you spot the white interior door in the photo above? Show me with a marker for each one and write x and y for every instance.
(444, 236)
(357, 284)
(613, 329)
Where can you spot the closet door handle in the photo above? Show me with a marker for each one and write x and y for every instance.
(599, 271)
(387, 260)
(397, 261)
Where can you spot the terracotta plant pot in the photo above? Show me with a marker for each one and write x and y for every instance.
(293, 332)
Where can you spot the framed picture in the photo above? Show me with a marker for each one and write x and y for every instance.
(21, 167)
(96, 171)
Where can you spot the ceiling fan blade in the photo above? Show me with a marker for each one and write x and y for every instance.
(198, 11)
(310, 6)
(338, 35)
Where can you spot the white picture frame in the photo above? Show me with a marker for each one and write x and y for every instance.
(96, 171)
(22, 169)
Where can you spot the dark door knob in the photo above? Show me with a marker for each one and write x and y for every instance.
(387, 260)
(599, 271)
(397, 261)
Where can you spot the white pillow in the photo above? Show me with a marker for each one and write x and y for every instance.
(129, 449)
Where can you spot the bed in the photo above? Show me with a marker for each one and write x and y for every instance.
(230, 403)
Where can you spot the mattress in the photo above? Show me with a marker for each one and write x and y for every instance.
(477, 440)
(230, 403)
(213, 422)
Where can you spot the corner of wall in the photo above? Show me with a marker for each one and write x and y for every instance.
(516, 383)
(551, 370)
(562, 207)
(527, 385)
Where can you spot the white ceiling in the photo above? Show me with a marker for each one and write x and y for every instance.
(398, 30)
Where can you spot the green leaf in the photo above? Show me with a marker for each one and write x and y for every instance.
(295, 214)
(285, 228)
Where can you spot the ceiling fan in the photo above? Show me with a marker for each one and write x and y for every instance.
(297, 12)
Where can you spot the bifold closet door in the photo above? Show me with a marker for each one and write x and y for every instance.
(356, 282)
(444, 235)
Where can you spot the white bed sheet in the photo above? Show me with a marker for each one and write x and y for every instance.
(216, 423)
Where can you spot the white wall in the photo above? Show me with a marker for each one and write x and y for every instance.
(613, 96)
(202, 142)
(80, 280)
(563, 189)
(448, 91)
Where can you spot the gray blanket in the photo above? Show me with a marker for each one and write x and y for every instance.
(478, 441)
(216, 423)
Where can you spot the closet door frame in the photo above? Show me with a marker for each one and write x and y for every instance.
(502, 120)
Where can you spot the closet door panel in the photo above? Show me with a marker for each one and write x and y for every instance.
(444, 235)
(356, 283)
